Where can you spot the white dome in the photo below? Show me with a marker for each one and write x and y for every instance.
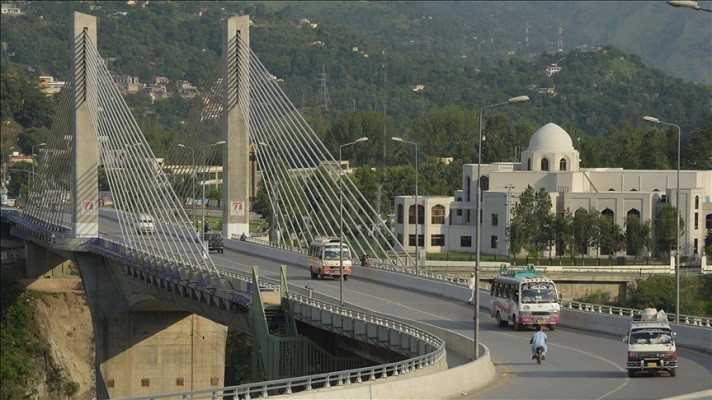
(550, 137)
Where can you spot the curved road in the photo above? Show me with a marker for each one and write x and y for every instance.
(579, 365)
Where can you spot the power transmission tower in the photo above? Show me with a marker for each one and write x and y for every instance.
(560, 41)
(323, 98)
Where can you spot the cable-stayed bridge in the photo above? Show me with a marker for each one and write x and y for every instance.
(146, 290)
(145, 266)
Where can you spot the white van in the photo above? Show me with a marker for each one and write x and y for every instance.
(145, 224)
(651, 344)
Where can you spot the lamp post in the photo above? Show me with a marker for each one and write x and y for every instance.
(677, 217)
(4, 166)
(192, 179)
(33, 157)
(417, 221)
(274, 223)
(341, 220)
(202, 183)
(687, 4)
(478, 220)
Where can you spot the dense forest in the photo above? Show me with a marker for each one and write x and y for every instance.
(599, 97)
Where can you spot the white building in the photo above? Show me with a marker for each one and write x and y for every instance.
(551, 162)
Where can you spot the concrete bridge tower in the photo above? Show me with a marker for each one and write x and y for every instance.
(236, 162)
(85, 149)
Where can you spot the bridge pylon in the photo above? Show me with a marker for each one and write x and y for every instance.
(85, 147)
(236, 106)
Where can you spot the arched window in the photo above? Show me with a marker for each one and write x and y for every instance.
(697, 202)
(469, 183)
(437, 214)
(411, 214)
(484, 183)
(544, 164)
(608, 213)
(655, 190)
(611, 190)
(399, 214)
(562, 164)
(634, 190)
(529, 164)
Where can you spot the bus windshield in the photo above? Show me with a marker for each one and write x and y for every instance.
(332, 252)
(539, 293)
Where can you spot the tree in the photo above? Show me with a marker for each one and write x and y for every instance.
(664, 227)
(637, 235)
(581, 229)
(563, 232)
(612, 237)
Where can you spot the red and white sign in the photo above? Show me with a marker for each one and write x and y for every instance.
(87, 207)
(237, 208)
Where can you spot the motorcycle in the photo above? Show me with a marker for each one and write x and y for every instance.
(539, 354)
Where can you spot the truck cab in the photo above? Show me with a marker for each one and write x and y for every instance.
(651, 344)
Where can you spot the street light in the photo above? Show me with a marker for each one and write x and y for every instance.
(202, 184)
(274, 223)
(417, 222)
(687, 4)
(192, 177)
(677, 217)
(341, 220)
(478, 220)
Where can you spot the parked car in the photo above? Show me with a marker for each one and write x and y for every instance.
(215, 242)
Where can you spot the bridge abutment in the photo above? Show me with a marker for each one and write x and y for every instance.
(148, 347)
(41, 262)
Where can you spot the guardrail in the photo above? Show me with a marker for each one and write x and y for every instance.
(629, 312)
(337, 378)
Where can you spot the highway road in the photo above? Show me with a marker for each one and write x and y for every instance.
(579, 365)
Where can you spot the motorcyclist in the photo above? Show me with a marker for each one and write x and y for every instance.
(539, 339)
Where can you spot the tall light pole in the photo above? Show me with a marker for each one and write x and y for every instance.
(677, 217)
(478, 220)
(202, 183)
(509, 188)
(33, 157)
(687, 4)
(341, 219)
(4, 166)
(192, 179)
(274, 223)
(417, 221)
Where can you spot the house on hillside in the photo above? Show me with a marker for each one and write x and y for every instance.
(550, 69)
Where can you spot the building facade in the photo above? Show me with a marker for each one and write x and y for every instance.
(551, 162)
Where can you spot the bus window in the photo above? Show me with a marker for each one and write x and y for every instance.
(539, 294)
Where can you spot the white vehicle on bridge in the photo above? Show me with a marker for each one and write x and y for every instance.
(145, 224)
(651, 344)
(524, 298)
(323, 258)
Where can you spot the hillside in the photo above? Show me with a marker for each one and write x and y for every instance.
(599, 93)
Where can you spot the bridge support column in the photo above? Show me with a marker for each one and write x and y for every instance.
(148, 347)
(85, 147)
(236, 163)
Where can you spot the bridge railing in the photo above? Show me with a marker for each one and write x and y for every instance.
(629, 312)
(435, 345)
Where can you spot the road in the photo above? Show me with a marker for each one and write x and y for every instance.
(579, 365)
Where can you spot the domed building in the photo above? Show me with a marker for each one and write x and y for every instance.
(447, 224)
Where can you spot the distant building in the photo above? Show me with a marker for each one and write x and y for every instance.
(128, 84)
(551, 69)
(417, 88)
(447, 224)
(9, 9)
(50, 86)
(187, 90)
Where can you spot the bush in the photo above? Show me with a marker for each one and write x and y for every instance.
(620, 260)
(595, 297)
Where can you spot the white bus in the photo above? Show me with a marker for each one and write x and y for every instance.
(323, 258)
(524, 298)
